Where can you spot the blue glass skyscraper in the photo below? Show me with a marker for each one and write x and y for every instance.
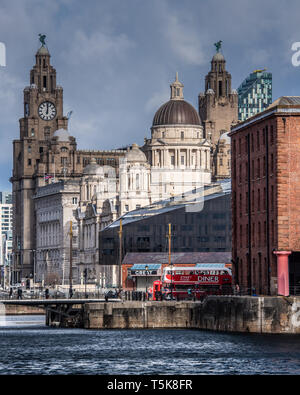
(255, 94)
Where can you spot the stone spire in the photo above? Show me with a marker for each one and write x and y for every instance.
(176, 89)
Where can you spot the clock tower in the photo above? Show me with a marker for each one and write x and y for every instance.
(43, 115)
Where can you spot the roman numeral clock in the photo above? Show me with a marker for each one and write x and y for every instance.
(47, 111)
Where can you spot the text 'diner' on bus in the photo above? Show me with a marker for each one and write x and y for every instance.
(193, 282)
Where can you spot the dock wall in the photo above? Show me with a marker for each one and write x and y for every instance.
(217, 313)
(21, 310)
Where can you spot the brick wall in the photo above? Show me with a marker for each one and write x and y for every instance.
(265, 197)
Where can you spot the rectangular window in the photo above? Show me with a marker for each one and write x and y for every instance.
(271, 135)
(220, 88)
(241, 236)
(272, 197)
(272, 163)
(182, 160)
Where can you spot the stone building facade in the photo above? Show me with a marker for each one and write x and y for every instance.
(177, 151)
(178, 158)
(218, 110)
(55, 206)
(43, 148)
(265, 199)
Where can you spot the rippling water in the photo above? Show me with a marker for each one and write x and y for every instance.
(27, 346)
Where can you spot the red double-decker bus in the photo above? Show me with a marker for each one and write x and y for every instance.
(193, 282)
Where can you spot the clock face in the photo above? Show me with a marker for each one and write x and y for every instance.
(47, 111)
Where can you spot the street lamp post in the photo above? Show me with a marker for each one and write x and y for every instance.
(170, 262)
(146, 272)
(120, 255)
(70, 272)
(85, 279)
(34, 266)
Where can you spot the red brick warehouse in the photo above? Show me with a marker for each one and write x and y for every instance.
(266, 199)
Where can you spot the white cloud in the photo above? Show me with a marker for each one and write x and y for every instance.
(157, 99)
(98, 46)
(184, 40)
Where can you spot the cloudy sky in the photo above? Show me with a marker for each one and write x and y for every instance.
(116, 58)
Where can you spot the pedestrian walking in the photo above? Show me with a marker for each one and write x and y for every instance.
(237, 289)
(19, 293)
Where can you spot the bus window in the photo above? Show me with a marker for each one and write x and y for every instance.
(178, 272)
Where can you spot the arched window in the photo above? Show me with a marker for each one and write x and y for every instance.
(64, 149)
(220, 88)
(46, 133)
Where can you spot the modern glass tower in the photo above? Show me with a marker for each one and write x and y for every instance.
(255, 94)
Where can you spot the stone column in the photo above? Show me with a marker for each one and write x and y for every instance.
(283, 272)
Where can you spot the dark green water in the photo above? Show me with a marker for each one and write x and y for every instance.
(29, 347)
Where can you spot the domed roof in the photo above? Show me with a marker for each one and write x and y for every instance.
(135, 154)
(93, 168)
(210, 91)
(43, 51)
(225, 138)
(176, 112)
(62, 134)
(217, 57)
